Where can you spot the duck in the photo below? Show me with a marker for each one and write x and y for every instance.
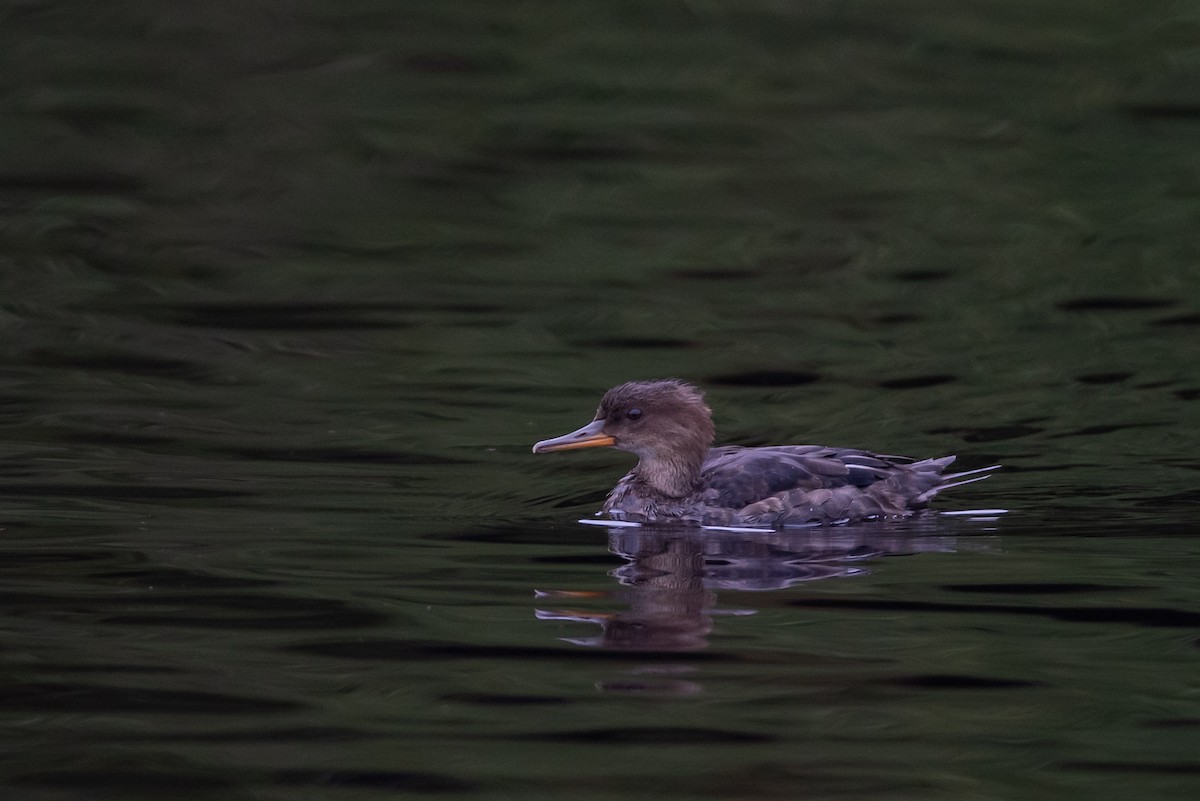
(680, 478)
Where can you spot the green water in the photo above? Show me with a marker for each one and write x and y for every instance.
(288, 291)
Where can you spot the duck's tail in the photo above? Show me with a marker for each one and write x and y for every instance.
(948, 480)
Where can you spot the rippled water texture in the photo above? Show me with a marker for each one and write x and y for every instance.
(288, 289)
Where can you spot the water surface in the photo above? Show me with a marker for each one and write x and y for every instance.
(288, 292)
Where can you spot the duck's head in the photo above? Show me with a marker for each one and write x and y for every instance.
(663, 421)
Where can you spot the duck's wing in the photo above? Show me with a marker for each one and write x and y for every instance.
(741, 476)
(811, 483)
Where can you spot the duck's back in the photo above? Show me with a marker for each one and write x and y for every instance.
(815, 484)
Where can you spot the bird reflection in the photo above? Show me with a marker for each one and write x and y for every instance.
(669, 604)
(670, 581)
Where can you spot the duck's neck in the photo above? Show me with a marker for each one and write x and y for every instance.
(674, 475)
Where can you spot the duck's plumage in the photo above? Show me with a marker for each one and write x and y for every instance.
(680, 478)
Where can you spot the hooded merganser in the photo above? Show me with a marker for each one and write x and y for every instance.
(681, 478)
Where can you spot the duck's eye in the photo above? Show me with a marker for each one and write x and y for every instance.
(634, 414)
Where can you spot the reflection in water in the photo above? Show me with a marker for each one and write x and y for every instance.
(673, 574)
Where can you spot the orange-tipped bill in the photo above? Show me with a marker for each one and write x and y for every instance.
(590, 436)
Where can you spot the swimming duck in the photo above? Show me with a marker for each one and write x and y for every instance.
(681, 478)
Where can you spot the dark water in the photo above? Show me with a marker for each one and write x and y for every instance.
(288, 290)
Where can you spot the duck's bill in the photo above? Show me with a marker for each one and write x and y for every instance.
(590, 436)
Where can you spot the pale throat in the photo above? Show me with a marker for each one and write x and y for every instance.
(673, 475)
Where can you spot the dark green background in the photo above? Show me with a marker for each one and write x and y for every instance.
(288, 289)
